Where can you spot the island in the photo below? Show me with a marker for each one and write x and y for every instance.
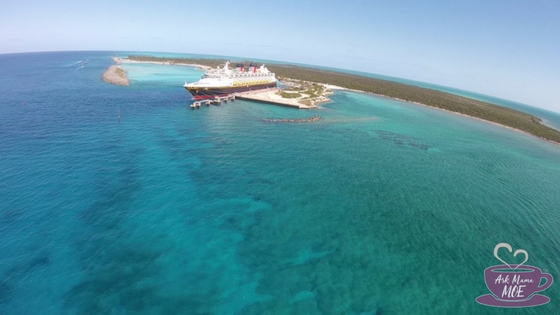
(414, 94)
(115, 74)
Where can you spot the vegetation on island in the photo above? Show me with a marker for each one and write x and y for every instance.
(410, 93)
(120, 72)
(306, 89)
(290, 94)
(307, 93)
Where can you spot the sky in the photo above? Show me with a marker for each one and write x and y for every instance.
(508, 49)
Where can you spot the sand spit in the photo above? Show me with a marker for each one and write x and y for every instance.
(116, 75)
(199, 67)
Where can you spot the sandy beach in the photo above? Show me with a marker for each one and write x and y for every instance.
(116, 75)
(334, 87)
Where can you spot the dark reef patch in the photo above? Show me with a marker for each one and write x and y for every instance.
(6, 291)
(400, 139)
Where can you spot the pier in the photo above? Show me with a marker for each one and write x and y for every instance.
(216, 101)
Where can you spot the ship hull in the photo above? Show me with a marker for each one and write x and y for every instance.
(211, 92)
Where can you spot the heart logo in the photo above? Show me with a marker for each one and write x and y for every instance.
(506, 245)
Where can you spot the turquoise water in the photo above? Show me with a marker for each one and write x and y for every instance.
(382, 207)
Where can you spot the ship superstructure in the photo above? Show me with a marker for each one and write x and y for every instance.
(223, 81)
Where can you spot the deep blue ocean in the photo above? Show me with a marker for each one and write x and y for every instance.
(381, 207)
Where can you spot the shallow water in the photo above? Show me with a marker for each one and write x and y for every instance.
(382, 207)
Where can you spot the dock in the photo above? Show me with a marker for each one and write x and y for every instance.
(215, 101)
(268, 96)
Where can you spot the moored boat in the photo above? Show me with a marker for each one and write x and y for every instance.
(223, 81)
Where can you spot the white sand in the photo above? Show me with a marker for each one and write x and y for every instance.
(334, 87)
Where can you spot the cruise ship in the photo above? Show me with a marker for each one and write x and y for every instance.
(223, 81)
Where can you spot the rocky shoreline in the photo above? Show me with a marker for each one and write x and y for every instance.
(116, 75)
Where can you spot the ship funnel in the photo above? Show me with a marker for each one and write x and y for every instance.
(252, 68)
